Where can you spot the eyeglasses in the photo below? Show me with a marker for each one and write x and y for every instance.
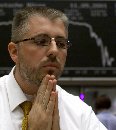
(45, 40)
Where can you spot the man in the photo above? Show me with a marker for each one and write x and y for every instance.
(38, 46)
(102, 106)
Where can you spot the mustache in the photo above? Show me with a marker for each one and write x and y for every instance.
(53, 60)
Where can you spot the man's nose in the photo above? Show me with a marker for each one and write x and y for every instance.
(53, 48)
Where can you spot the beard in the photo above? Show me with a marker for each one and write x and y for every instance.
(31, 74)
(35, 74)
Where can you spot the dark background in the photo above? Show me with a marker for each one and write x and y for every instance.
(92, 32)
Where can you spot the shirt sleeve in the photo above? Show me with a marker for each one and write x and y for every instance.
(76, 114)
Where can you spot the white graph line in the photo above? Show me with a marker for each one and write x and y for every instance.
(4, 23)
(106, 59)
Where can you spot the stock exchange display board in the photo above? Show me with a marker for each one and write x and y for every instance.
(92, 32)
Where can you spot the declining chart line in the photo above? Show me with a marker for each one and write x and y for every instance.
(4, 23)
(106, 59)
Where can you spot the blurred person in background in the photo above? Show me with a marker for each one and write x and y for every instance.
(102, 106)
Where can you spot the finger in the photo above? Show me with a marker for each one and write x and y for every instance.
(54, 86)
(56, 111)
(50, 88)
(56, 104)
(56, 125)
(34, 98)
(42, 89)
(50, 106)
(46, 97)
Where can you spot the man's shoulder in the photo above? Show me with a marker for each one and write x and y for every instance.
(3, 80)
(64, 92)
(70, 98)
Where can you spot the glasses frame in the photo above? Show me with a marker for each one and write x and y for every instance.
(52, 38)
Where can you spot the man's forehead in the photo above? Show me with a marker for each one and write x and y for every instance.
(41, 24)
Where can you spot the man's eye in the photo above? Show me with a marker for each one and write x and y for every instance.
(41, 42)
(61, 44)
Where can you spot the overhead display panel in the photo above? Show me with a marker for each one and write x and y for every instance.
(92, 32)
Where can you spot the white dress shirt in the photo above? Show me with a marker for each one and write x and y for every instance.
(74, 113)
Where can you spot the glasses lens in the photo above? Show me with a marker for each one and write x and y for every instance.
(61, 42)
(42, 40)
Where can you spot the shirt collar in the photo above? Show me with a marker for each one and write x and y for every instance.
(15, 93)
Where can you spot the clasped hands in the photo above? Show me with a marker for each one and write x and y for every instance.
(44, 114)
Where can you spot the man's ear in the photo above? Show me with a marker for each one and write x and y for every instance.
(12, 48)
